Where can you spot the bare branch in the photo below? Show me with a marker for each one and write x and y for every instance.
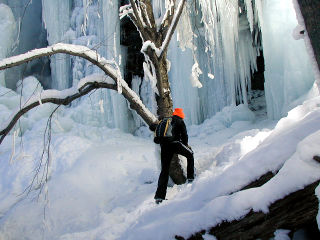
(147, 14)
(172, 28)
(56, 100)
(167, 18)
(138, 21)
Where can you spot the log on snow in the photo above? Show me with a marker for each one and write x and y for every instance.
(293, 212)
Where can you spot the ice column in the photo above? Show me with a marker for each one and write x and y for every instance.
(56, 17)
(288, 74)
(110, 39)
(7, 34)
(183, 94)
(222, 45)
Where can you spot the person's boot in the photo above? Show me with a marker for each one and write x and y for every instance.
(190, 180)
(158, 200)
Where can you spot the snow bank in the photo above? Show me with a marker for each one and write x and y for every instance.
(204, 203)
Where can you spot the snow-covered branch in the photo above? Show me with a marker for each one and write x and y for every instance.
(71, 49)
(172, 27)
(136, 18)
(65, 97)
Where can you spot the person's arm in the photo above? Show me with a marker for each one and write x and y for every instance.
(184, 134)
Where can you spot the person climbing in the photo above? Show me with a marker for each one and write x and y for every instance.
(177, 143)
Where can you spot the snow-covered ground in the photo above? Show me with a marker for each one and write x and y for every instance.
(102, 181)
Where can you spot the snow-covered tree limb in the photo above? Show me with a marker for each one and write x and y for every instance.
(147, 13)
(138, 21)
(65, 97)
(75, 50)
(167, 18)
(172, 27)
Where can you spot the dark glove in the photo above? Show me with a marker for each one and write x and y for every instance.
(156, 140)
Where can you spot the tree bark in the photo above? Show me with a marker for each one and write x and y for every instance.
(295, 211)
(292, 212)
(310, 10)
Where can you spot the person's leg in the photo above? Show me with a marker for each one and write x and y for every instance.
(166, 156)
(183, 150)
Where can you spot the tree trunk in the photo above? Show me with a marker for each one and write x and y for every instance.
(164, 99)
(165, 106)
(310, 10)
(146, 25)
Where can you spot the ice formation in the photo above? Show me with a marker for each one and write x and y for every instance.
(7, 35)
(56, 32)
(288, 73)
(216, 38)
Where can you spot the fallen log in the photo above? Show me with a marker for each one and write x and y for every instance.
(293, 212)
(297, 210)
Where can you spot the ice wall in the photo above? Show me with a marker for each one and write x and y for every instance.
(184, 95)
(225, 42)
(287, 68)
(218, 35)
(221, 43)
(56, 18)
(95, 24)
(7, 34)
(110, 40)
(30, 34)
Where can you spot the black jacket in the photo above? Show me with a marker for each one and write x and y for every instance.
(179, 130)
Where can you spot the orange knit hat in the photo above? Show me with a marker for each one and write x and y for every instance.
(178, 112)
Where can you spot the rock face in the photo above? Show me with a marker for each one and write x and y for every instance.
(310, 10)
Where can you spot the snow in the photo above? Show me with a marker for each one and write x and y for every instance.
(282, 234)
(102, 181)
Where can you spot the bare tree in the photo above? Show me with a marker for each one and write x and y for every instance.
(155, 40)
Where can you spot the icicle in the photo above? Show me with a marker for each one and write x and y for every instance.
(196, 71)
(114, 44)
(101, 106)
(40, 100)
(15, 134)
(249, 13)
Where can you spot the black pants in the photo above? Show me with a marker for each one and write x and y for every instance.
(167, 152)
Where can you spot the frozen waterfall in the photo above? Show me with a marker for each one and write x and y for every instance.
(218, 41)
(288, 70)
(56, 18)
